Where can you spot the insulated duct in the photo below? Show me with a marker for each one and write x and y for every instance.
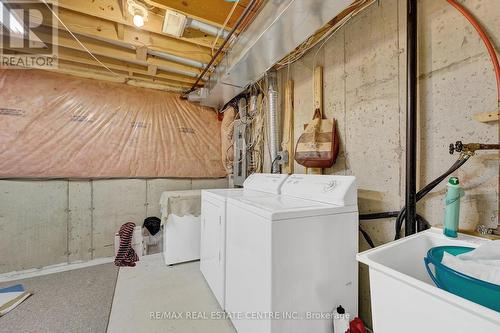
(277, 30)
(273, 120)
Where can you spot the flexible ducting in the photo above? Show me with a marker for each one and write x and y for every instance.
(273, 120)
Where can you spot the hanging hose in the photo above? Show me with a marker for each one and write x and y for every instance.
(367, 237)
(424, 191)
(486, 41)
(464, 157)
(378, 216)
(423, 224)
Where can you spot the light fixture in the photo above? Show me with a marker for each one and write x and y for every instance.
(139, 12)
(138, 20)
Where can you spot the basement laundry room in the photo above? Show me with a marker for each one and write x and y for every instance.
(249, 166)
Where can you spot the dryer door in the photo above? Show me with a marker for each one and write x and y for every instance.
(212, 247)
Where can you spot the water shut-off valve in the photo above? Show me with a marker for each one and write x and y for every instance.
(471, 148)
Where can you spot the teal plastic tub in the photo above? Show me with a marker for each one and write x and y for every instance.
(477, 291)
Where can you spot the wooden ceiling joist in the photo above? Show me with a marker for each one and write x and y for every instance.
(98, 73)
(99, 48)
(83, 60)
(120, 34)
(210, 11)
(104, 44)
(110, 10)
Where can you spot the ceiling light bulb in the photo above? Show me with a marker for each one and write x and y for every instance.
(138, 20)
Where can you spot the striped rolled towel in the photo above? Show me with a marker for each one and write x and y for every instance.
(126, 255)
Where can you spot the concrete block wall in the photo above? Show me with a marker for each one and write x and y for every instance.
(51, 222)
(365, 90)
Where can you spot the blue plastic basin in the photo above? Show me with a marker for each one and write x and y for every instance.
(477, 291)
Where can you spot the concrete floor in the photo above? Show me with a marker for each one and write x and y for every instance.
(148, 294)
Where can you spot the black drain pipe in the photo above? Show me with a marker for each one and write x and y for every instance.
(411, 119)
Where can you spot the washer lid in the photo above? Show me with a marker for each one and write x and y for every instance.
(281, 203)
(279, 207)
(265, 182)
(330, 189)
(223, 194)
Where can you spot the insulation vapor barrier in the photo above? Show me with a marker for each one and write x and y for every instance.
(55, 126)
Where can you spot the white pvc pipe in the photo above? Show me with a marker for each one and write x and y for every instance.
(174, 58)
(206, 28)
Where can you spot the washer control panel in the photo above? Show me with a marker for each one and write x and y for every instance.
(331, 189)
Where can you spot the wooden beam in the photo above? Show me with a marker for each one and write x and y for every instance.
(98, 73)
(318, 89)
(124, 8)
(69, 56)
(486, 117)
(318, 103)
(142, 53)
(120, 31)
(110, 10)
(148, 85)
(152, 70)
(288, 135)
(87, 74)
(210, 11)
(111, 51)
(84, 58)
(121, 34)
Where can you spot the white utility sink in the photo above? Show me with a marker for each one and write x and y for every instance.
(404, 299)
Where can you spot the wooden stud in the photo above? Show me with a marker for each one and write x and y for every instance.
(288, 134)
(152, 70)
(142, 53)
(124, 8)
(318, 104)
(318, 89)
(120, 31)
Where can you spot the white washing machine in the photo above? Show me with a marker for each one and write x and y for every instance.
(291, 258)
(213, 226)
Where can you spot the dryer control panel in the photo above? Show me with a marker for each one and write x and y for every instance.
(265, 182)
(330, 189)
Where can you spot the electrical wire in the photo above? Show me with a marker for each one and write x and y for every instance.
(277, 158)
(367, 237)
(79, 42)
(423, 192)
(325, 32)
(486, 40)
(219, 32)
(400, 216)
